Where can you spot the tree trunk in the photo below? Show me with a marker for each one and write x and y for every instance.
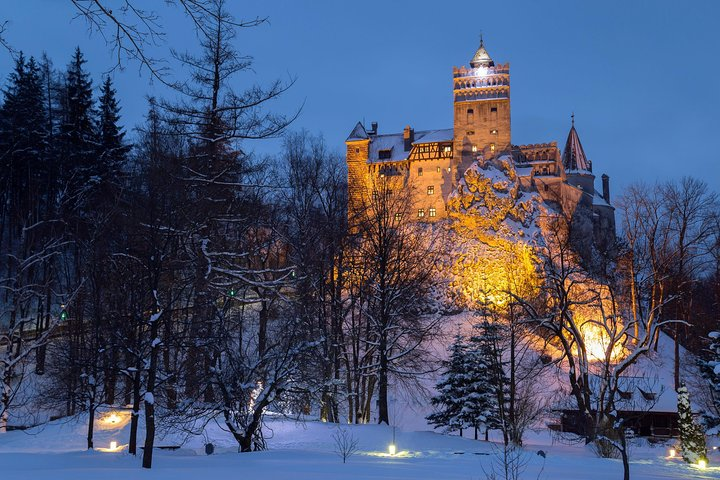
(383, 411)
(132, 446)
(150, 398)
(91, 425)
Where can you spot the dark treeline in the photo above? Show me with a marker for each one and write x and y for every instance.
(184, 277)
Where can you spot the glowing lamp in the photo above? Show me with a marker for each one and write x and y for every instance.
(63, 315)
(702, 464)
(113, 418)
(392, 449)
(672, 453)
(113, 445)
(231, 292)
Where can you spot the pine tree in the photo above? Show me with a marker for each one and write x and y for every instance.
(487, 395)
(77, 129)
(112, 150)
(711, 372)
(451, 390)
(692, 438)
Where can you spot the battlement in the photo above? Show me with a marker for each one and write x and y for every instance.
(464, 71)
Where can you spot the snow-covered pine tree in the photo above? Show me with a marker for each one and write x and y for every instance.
(711, 372)
(692, 438)
(451, 390)
(487, 392)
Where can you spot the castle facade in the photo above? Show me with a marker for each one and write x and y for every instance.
(433, 161)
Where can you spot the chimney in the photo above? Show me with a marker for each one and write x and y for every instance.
(373, 128)
(408, 137)
(606, 188)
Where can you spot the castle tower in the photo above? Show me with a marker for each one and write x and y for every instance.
(578, 169)
(481, 108)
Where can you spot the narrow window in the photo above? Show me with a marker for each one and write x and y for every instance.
(357, 150)
(420, 172)
(431, 189)
(492, 147)
(547, 187)
(432, 212)
(421, 212)
(470, 116)
(474, 148)
(439, 169)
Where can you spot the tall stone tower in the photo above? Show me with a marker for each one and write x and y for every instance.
(481, 108)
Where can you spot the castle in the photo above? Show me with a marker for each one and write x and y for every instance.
(433, 161)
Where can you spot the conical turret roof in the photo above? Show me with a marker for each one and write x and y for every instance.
(574, 156)
(481, 57)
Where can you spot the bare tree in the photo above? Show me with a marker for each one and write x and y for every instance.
(395, 260)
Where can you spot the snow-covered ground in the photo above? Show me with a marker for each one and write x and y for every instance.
(306, 451)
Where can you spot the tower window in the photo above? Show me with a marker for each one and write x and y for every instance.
(470, 116)
(474, 148)
(433, 213)
(421, 212)
(420, 172)
(439, 169)
(493, 109)
(357, 150)
(492, 147)
(431, 189)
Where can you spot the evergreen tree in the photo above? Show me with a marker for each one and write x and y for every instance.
(451, 390)
(692, 438)
(112, 150)
(78, 145)
(486, 394)
(711, 372)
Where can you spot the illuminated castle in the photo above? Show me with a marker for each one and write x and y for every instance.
(433, 161)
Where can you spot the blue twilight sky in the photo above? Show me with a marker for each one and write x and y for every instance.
(643, 77)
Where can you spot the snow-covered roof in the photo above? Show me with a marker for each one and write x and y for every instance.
(598, 200)
(434, 136)
(396, 144)
(358, 133)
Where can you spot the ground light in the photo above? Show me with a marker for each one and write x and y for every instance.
(672, 453)
(113, 445)
(392, 449)
(702, 464)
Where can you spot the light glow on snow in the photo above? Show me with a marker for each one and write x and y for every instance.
(114, 420)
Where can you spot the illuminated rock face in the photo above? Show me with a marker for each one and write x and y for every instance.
(432, 163)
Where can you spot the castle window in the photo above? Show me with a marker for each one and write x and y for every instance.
(493, 109)
(431, 189)
(357, 150)
(439, 169)
(420, 172)
(470, 116)
(375, 194)
(470, 132)
(421, 212)
(384, 154)
(447, 148)
(547, 187)
(492, 147)
(494, 131)
(398, 216)
(432, 212)
(474, 148)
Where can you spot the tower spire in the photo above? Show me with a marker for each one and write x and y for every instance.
(481, 57)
